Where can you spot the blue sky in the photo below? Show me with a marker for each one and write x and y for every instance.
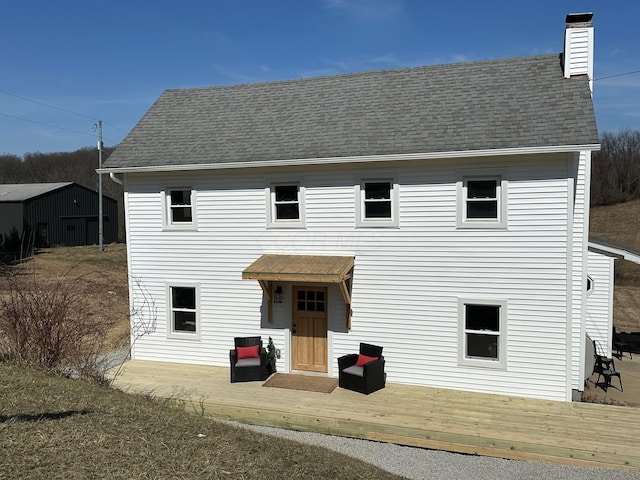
(111, 60)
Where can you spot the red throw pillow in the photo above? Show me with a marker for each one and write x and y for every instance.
(362, 359)
(248, 352)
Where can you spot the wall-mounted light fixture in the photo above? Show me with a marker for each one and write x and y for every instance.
(277, 295)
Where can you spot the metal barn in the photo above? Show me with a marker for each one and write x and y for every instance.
(52, 214)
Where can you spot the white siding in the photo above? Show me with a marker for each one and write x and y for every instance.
(578, 253)
(599, 315)
(579, 52)
(407, 279)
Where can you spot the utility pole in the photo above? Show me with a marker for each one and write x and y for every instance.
(100, 235)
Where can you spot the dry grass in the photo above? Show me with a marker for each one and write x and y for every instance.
(52, 427)
(620, 223)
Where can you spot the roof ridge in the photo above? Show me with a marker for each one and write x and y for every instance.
(362, 73)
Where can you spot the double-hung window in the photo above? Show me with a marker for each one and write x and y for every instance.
(286, 205)
(183, 311)
(377, 203)
(482, 333)
(180, 207)
(482, 201)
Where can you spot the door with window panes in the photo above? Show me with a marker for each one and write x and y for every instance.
(309, 329)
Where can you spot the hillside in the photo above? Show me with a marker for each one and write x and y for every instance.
(620, 223)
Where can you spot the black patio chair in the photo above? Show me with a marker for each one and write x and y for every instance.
(620, 345)
(605, 368)
(363, 372)
(248, 360)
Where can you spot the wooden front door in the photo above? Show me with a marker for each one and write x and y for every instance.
(309, 329)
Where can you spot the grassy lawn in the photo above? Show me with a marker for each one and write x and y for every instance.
(52, 427)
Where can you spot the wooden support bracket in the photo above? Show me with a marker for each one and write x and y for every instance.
(266, 288)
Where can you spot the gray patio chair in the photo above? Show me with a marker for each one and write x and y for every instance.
(362, 377)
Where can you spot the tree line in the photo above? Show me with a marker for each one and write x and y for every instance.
(79, 167)
(615, 170)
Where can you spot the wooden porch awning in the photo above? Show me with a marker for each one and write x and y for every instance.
(300, 268)
(271, 268)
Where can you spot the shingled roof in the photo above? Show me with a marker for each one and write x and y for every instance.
(475, 106)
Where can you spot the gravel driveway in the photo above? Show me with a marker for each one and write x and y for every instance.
(422, 464)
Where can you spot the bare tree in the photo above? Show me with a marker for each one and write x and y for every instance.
(615, 173)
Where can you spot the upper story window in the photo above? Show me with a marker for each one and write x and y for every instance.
(482, 333)
(377, 203)
(286, 205)
(183, 312)
(481, 202)
(180, 207)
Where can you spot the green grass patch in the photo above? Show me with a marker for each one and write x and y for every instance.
(53, 427)
(114, 255)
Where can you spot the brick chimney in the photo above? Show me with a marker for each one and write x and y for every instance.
(577, 60)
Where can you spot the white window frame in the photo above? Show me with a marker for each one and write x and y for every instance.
(463, 331)
(167, 218)
(172, 333)
(361, 220)
(501, 199)
(272, 219)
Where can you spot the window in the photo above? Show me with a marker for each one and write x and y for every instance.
(180, 207)
(481, 202)
(286, 205)
(377, 203)
(286, 202)
(311, 300)
(589, 284)
(482, 333)
(183, 312)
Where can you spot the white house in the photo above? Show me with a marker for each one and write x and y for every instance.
(440, 212)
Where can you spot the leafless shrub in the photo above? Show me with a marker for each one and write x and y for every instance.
(143, 317)
(58, 325)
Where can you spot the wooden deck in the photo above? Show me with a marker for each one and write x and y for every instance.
(510, 427)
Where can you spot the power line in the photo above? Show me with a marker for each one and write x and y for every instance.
(51, 126)
(617, 75)
(46, 124)
(94, 119)
(114, 127)
(48, 105)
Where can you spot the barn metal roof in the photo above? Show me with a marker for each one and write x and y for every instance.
(19, 192)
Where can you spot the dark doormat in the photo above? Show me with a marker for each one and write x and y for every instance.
(302, 382)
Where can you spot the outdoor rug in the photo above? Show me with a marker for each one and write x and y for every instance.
(302, 382)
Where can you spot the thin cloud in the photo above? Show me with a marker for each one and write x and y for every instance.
(387, 61)
(366, 10)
